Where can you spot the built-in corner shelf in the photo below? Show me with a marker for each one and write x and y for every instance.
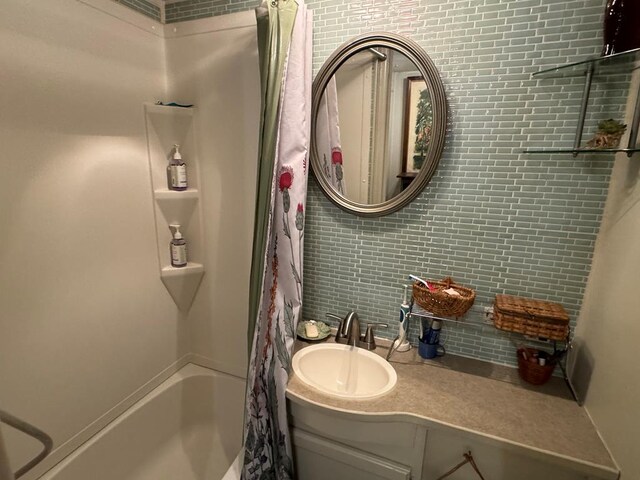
(618, 63)
(167, 126)
(191, 268)
(168, 110)
(166, 194)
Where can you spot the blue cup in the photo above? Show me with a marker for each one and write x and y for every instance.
(427, 350)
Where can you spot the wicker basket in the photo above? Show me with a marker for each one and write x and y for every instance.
(440, 303)
(533, 372)
(528, 316)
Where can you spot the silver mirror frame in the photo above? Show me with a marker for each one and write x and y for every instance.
(430, 73)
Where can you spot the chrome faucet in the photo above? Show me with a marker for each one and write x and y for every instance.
(349, 331)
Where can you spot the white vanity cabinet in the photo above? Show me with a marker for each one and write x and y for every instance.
(335, 446)
(422, 429)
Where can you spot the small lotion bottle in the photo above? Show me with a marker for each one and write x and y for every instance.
(178, 248)
(177, 171)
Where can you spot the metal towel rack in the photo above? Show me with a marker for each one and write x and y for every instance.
(32, 431)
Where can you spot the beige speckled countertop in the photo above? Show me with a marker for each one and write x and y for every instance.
(483, 399)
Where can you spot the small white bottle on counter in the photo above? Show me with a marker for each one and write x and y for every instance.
(178, 247)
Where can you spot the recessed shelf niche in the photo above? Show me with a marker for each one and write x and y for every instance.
(167, 126)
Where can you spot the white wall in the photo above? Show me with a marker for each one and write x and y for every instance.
(85, 318)
(608, 332)
(224, 84)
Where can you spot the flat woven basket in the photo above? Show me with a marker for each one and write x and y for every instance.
(440, 303)
(535, 318)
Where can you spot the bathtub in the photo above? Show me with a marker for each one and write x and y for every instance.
(188, 428)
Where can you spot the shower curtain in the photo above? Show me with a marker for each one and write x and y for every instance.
(328, 136)
(284, 43)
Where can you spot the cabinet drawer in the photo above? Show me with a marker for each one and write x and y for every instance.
(385, 433)
(318, 459)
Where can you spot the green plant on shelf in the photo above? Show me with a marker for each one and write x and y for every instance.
(608, 135)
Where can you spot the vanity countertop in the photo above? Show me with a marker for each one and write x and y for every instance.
(482, 399)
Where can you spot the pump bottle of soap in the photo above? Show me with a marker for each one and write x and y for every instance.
(177, 171)
(402, 343)
(177, 247)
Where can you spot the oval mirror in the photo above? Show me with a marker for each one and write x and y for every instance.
(378, 124)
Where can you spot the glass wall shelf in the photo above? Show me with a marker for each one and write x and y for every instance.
(616, 63)
(575, 152)
(623, 62)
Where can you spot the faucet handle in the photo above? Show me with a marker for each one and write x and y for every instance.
(339, 334)
(334, 317)
(369, 340)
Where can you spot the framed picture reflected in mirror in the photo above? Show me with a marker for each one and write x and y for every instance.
(418, 122)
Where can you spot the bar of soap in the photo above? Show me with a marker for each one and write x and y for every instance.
(310, 330)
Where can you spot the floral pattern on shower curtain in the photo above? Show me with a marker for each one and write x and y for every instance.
(328, 136)
(267, 445)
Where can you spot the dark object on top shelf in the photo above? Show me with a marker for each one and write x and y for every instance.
(531, 317)
(620, 25)
(608, 135)
(435, 300)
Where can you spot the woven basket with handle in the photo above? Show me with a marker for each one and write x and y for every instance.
(535, 318)
(441, 303)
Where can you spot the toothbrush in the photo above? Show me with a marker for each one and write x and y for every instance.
(426, 284)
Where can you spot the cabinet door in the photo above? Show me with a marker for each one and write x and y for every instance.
(320, 459)
(396, 441)
(445, 450)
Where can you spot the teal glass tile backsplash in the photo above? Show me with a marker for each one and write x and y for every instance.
(194, 9)
(143, 6)
(492, 218)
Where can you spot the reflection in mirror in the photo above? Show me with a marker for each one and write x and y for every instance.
(379, 115)
(373, 125)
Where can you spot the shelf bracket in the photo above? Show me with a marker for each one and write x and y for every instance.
(635, 124)
(583, 110)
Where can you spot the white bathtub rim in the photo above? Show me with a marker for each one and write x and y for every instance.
(188, 366)
(235, 470)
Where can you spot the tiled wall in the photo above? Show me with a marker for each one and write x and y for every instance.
(194, 9)
(492, 217)
(143, 6)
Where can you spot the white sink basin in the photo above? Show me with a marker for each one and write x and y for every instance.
(345, 372)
